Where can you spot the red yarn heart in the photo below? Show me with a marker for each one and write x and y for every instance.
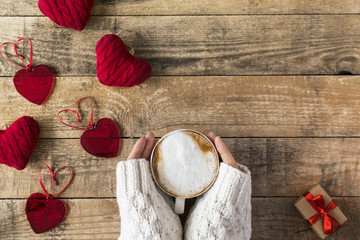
(18, 142)
(103, 140)
(67, 13)
(115, 66)
(35, 84)
(44, 213)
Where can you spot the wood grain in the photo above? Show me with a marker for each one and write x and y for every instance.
(272, 106)
(279, 167)
(199, 45)
(86, 219)
(272, 218)
(199, 7)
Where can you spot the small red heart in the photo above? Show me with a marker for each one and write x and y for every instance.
(103, 140)
(35, 84)
(67, 13)
(18, 142)
(44, 213)
(115, 66)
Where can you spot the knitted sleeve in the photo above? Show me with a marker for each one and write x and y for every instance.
(144, 211)
(224, 211)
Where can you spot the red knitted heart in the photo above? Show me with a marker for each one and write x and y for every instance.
(35, 84)
(67, 13)
(103, 140)
(18, 142)
(44, 213)
(115, 66)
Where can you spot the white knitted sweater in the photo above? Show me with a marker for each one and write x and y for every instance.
(223, 212)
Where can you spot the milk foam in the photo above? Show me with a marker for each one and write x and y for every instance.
(183, 168)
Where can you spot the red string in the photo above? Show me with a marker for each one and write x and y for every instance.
(78, 115)
(53, 179)
(16, 52)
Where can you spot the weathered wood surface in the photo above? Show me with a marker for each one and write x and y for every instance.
(279, 167)
(272, 218)
(190, 7)
(199, 45)
(248, 106)
(86, 219)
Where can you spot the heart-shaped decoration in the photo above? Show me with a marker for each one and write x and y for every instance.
(35, 84)
(44, 213)
(18, 142)
(115, 66)
(103, 140)
(67, 13)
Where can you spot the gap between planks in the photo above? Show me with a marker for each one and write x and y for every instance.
(279, 167)
(303, 106)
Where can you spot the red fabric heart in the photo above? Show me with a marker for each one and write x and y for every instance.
(115, 66)
(44, 213)
(67, 13)
(18, 142)
(103, 140)
(35, 84)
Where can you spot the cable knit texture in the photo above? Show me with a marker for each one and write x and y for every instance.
(144, 211)
(67, 13)
(115, 66)
(18, 142)
(224, 211)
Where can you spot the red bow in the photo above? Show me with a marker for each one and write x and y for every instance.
(329, 222)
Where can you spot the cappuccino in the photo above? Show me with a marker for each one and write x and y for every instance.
(184, 163)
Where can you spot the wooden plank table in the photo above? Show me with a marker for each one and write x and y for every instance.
(261, 74)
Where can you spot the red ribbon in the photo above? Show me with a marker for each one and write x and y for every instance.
(329, 222)
(53, 179)
(16, 52)
(78, 115)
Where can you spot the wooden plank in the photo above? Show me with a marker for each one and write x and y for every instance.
(200, 7)
(277, 218)
(273, 106)
(200, 45)
(86, 219)
(280, 167)
(272, 218)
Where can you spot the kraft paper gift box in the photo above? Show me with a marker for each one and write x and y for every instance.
(326, 211)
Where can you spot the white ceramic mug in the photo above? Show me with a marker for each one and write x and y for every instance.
(168, 180)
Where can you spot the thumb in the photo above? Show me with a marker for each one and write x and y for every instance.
(224, 152)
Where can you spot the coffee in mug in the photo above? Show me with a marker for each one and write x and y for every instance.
(184, 164)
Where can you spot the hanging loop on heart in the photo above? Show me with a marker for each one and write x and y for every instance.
(78, 115)
(29, 66)
(53, 179)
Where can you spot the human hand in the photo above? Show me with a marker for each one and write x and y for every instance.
(143, 147)
(224, 152)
